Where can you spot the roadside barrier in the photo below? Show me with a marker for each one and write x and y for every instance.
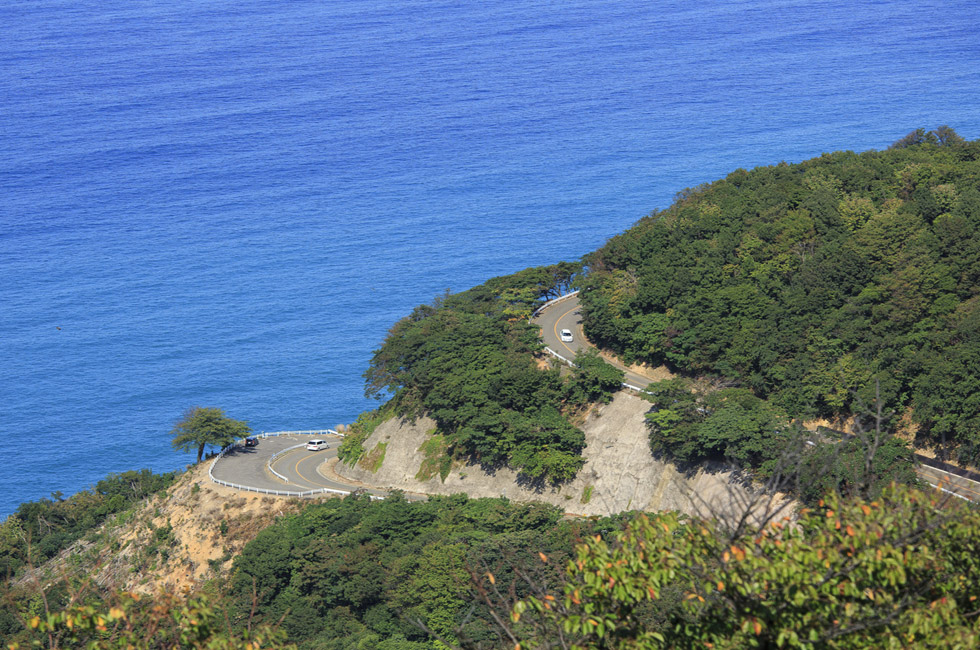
(281, 493)
(314, 432)
(553, 301)
(569, 362)
(279, 454)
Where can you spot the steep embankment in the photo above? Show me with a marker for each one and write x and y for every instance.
(619, 473)
(172, 541)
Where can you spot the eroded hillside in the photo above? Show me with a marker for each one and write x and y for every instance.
(619, 472)
(172, 541)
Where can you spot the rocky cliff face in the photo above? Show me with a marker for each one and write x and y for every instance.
(619, 474)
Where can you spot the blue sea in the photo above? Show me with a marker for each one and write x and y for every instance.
(230, 203)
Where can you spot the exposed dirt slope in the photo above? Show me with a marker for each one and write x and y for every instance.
(620, 473)
(175, 541)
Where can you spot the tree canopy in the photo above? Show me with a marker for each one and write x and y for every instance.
(468, 362)
(202, 426)
(897, 572)
(356, 573)
(807, 283)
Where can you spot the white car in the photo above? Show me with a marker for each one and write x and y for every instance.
(566, 336)
(316, 445)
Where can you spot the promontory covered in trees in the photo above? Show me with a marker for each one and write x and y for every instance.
(844, 286)
(841, 290)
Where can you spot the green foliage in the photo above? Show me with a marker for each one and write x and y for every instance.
(733, 425)
(467, 361)
(728, 424)
(352, 447)
(354, 573)
(39, 530)
(372, 461)
(436, 460)
(593, 380)
(200, 426)
(943, 136)
(127, 622)
(807, 283)
(899, 572)
(848, 467)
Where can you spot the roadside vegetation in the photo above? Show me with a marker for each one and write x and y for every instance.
(811, 286)
(845, 287)
(39, 530)
(468, 361)
(900, 571)
(477, 574)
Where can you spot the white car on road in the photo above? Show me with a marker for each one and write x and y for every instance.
(566, 336)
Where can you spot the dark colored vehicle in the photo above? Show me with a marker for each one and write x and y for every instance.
(251, 442)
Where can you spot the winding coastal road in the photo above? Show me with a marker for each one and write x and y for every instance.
(282, 464)
(294, 470)
(566, 314)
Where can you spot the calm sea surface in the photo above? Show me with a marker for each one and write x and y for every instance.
(229, 203)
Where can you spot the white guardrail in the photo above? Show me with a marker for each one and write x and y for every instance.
(286, 493)
(569, 362)
(308, 493)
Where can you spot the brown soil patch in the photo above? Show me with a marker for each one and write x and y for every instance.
(174, 542)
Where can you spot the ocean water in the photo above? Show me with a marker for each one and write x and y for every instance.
(229, 203)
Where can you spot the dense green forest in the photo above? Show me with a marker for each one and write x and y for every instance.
(900, 571)
(844, 285)
(814, 285)
(360, 574)
(468, 362)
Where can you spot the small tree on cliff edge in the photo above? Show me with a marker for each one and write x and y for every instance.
(206, 426)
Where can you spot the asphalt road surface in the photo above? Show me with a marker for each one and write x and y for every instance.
(958, 485)
(303, 469)
(567, 315)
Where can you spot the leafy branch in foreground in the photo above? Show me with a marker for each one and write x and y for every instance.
(128, 621)
(899, 571)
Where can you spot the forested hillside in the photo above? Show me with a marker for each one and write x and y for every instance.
(843, 285)
(468, 362)
(900, 571)
(814, 285)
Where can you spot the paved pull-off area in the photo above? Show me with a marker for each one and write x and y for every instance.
(298, 470)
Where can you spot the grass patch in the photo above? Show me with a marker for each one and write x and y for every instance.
(586, 494)
(352, 448)
(372, 461)
(437, 460)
